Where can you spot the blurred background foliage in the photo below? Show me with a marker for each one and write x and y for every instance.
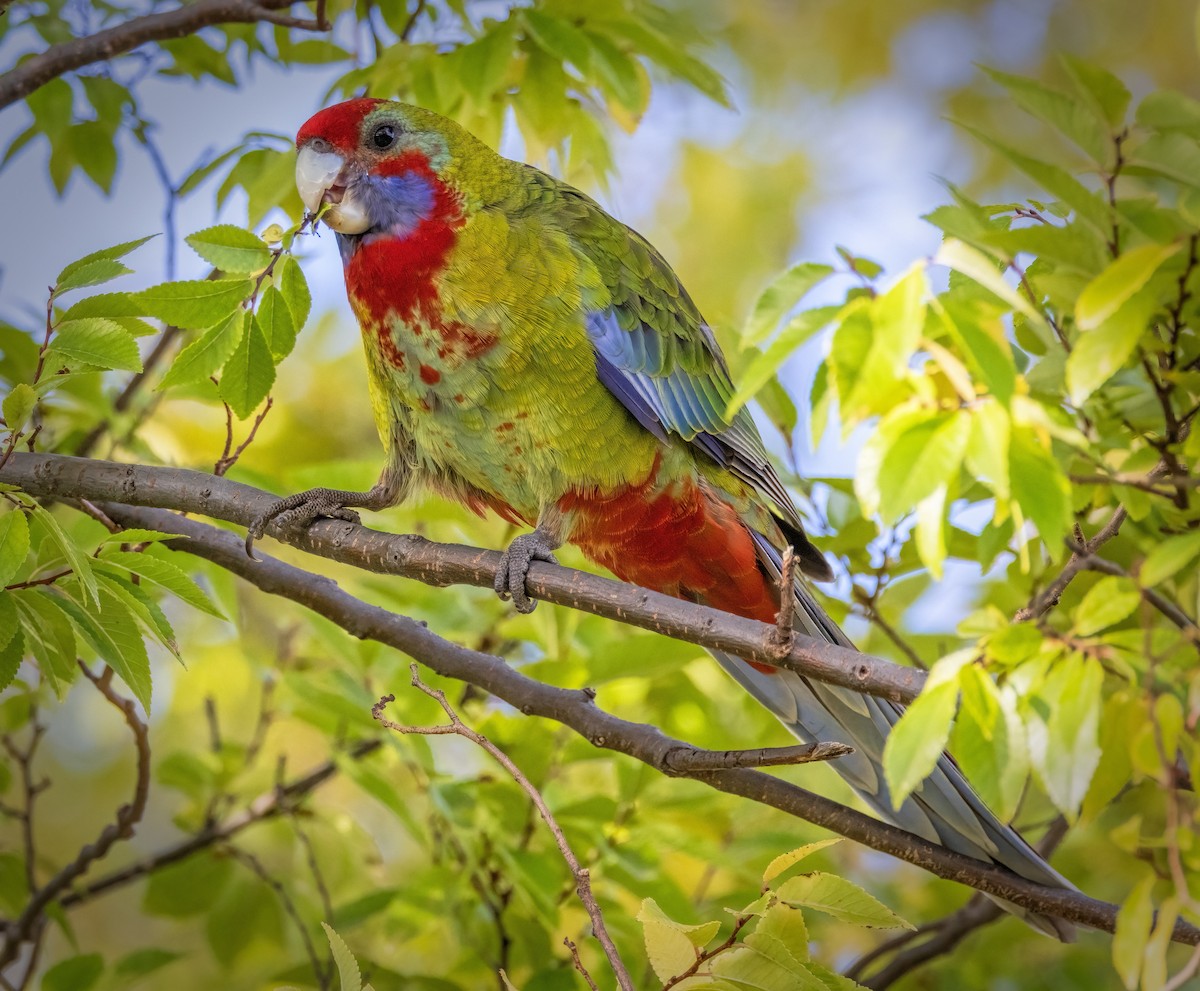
(739, 137)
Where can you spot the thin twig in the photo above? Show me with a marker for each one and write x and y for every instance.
(322, 973)
(570, 945)
(783, 635)
(702, 958)
(583, 880)
(1042, 603)
(227, 460)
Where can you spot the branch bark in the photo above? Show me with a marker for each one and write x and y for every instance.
(576, 710)
(37, 70)
(57, 476)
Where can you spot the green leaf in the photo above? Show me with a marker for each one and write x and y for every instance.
(1064, 745)
(620, 73)
(249, 373)
(74, 974)
(1123, 277)
(139, 963)
(190, 887)
(78, 561)
(840, 898)
(929, 534)
(1105, 90)
(984, 344)
(976, 265)
(793, 857)
(142, 606)
(113, 634)
(986, 455)
(166, 575)
(1070, 117)
(291, 282)
(1133, 932)
(230, 249)
(1059, 183)
(1108, 602)
(671, 946)
(204, 356)
(989, 742)
(920, 460)
(557, 37)
(274, 319)
(137, 535)
(105, 254)
(348, 972)
(1039, 487)
(92, 274)
(1100, 353)
(11, 655)
(118, 307)
(781, 935)
(14, 544)
(1174, 155)
(194, 305)
(204, 171)
(248, 913)
(49, 637)
(97, 341)
(1168, 558)
(14, 889)
(745, 967)
(763, 367)
(9, 620)
(784, 292)
(918, 740)
(17, 406)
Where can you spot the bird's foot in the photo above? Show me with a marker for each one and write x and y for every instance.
(514, 567)
(298, 511)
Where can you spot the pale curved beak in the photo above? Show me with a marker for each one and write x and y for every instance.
(320, 179)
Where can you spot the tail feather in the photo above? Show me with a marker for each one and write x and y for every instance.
(943, 809)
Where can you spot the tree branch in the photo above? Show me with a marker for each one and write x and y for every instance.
(37, 70)
(61, 477)
(576, 710)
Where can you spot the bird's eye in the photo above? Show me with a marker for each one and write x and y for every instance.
(383, 136)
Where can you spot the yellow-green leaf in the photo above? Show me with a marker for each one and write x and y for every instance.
(792, 857)
(231, 249)
(840, 898)
(1123, 277)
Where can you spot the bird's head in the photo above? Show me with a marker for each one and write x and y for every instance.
(380, 165)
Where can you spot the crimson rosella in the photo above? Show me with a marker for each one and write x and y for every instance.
(531, 355)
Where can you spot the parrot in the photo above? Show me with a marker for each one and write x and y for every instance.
(530, 355)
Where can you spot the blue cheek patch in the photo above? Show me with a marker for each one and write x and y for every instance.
(399, 203)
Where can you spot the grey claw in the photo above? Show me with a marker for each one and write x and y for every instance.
(297, 512)
(514, 568)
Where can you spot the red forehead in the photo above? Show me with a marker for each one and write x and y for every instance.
(339, 124)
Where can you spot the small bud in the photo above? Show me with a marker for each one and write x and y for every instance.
(273, 234)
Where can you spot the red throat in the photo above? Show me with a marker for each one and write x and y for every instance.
(396, 277)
